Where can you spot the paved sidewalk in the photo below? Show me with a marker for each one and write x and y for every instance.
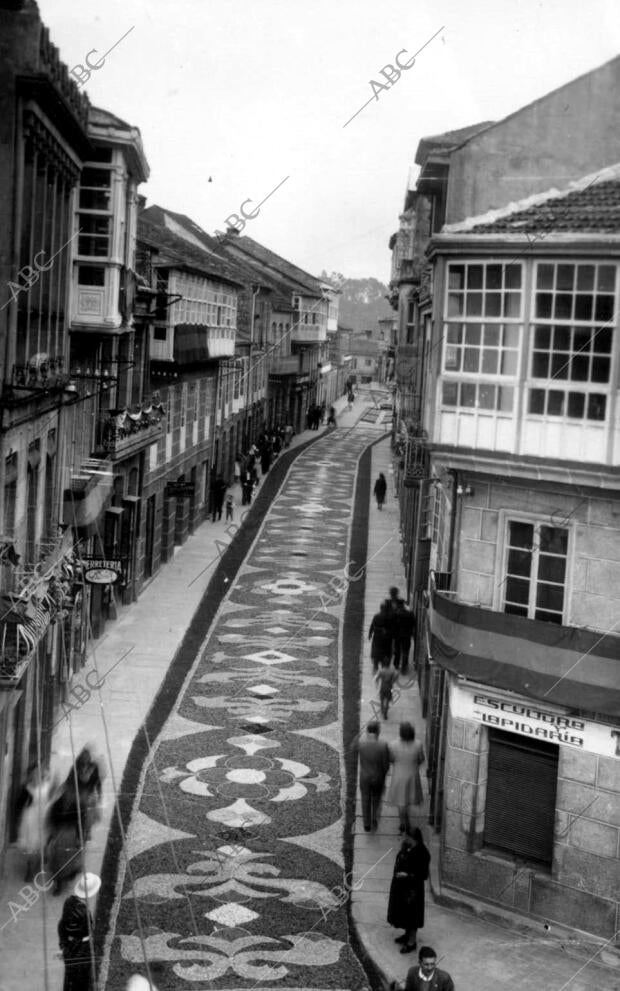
(133, 657)
(477, 953)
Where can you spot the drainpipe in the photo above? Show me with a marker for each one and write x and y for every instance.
(451, 543)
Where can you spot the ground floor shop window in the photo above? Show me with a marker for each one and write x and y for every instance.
(521, 793)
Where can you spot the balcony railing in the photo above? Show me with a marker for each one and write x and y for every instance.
(41, 373)
(121, 432)
(308, 334)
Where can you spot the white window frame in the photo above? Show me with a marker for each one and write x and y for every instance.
(537, 520)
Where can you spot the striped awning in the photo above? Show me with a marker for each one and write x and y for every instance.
(562, 664)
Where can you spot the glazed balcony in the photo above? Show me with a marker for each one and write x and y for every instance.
(121, 433)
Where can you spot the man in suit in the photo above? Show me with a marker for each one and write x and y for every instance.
(374, 760)
(404, 627)
(425, 976)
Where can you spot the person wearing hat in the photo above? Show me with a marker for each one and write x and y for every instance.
(75, 934)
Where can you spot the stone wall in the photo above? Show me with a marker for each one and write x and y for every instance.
(582, 890)
(594, 561)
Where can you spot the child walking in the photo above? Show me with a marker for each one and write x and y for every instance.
(230, 502)
(386, 676)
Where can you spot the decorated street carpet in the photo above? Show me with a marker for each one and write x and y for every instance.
(232, 871)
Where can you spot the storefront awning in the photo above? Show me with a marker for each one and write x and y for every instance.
(571, 667)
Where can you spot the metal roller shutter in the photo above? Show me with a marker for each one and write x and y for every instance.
(521, 793)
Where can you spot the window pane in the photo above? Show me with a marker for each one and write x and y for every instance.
(493, 304)
(456, 278)
(505, 399)
(579, 367)
(473, 332)
(551, 569)
(94, 199)
(91, 275)
(559, 366)
(455, 304)
(512, 302)
(585, 278)
(602, 340)
(596, 407)
(474, 277)
(544, 277)
(543, 305)
(96, 177)
(471, 361)
(514, 610)
(474, 304)
(489, 361)
(494, 276)
(455, 333)
(519, 563)
(604, 309)
(606, 278)
(97, 247)
(566, 277)
(452, 360)
(600, 370)
(449, 393)
(550, 597)
(540, 365)
(548, 617)
(576, 405)
(563, 308)
(468, 395)
(537, 401)
(91, 224)
(511, 337)
(583, 307)
(542, 338)
(486, 397)
(512, 276)
(553, 540)
(521, 534)
(491, 335)
(517, 591)
(555, 403)
(561, 338)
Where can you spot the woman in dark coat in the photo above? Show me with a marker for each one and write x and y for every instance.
(380, 490)
(71, 818)
(406, 901)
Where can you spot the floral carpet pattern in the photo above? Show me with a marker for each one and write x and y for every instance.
(233, 856)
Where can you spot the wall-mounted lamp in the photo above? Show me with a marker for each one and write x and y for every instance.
(464, 491)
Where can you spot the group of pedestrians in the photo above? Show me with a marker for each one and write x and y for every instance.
(55, 822)
(392, 630)
(315, 416)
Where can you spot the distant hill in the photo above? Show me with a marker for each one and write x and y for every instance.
(362, 302)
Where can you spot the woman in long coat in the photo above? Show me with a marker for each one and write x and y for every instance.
(75, 934)
(406, 901)
(406, 787)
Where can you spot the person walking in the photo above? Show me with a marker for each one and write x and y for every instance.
(380, 490)
(230, 505)
(406, 754)
(406, 898)
(404, 628)
(331, 421)
(378, 634)
(31, 812)
(288, 434)
(374, 761)
(392, 607)
(385, 678)
(75, 934)
(219, 490)
(425, 975)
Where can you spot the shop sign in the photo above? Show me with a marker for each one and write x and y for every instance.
(102, 571)
(537, 720)
(179, 489)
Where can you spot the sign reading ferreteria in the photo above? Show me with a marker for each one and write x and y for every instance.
(535, 719)
(179, 489)
(101, 570)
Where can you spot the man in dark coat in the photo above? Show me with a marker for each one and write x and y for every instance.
(374, 760)
(392, 606)
(404, 627)
(219, 491)
(75, 935)
(380, 636)
(426, 976)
